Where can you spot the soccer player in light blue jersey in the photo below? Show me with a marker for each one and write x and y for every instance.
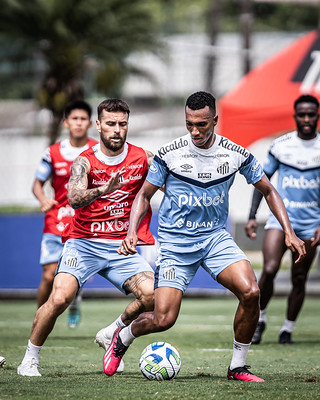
(296, 156)
(198, 170)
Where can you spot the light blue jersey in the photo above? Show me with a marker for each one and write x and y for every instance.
(197, 182)
(298, 164)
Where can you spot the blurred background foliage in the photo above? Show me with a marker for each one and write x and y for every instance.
(50, 49)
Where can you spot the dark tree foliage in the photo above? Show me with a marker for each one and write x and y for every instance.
(62, 39)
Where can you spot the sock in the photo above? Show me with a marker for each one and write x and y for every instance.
(240, 351)
(119, 322)
(287, 326)
(32, 352)
(126, 336)
(109, 330)
(263, 316)
(76, 301)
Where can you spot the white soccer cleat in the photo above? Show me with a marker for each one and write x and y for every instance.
(29, 368)
(104, 341)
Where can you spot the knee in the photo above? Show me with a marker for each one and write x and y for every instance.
(59, 302)
(270, 270)
(299, 281)
(48, 276)
(251, 296)
(163, 322)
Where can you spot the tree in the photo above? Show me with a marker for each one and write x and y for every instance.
(65, 35)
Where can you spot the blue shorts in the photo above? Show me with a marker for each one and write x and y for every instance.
(51, 248)
(177, 268)
(302, 232)
(84, 258)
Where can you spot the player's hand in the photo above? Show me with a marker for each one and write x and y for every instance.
(47, 204)
(251, 228)
(128, 245)
(115, 182)
(295, 244)
(315, 240)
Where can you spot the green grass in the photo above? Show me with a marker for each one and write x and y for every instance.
(71, 364)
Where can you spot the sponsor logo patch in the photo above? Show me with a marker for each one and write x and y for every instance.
(186, 167)
(204, 175)
(117, 195)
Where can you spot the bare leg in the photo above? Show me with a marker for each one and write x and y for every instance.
(273, 250)
(65, 287)
(239, 278)
(141, 286)
(299, 274)
(46, 283)
(166, 311)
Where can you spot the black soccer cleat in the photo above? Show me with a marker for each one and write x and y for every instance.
(285, 338)
(261, 326)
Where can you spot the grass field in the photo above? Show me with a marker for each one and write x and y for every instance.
(71, 364)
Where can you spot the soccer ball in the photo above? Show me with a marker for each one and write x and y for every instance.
(160, 361)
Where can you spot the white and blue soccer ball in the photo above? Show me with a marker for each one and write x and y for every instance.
(160, 361)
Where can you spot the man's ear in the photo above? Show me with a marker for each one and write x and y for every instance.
(98, 125)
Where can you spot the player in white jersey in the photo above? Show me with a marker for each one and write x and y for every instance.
(296, 156)
(198, 170)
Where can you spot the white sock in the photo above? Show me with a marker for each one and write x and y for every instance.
(126, 336)
(263, 316)
(287, 326)
(119, 322)
(32, 352)
(240, 351)
(108, 330)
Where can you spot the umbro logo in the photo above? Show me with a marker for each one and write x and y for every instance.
(117, 195)
(186, 167)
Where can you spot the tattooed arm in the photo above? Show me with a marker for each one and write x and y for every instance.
(150, 157)
(78, 193)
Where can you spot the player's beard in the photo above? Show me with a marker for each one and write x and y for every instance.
(113, 146)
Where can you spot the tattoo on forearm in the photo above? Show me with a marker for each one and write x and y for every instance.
(150, 157)
(79, 195)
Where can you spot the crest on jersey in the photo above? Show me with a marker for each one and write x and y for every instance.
(224, 168)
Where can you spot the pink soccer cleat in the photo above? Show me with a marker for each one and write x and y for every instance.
(242, 374)
(113, 355)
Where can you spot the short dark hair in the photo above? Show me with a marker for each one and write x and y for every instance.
(113, 105)
(306, 98)
(77, 105)
(199, 100)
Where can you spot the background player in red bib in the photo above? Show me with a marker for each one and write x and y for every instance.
(104, 182)
(55, 166)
